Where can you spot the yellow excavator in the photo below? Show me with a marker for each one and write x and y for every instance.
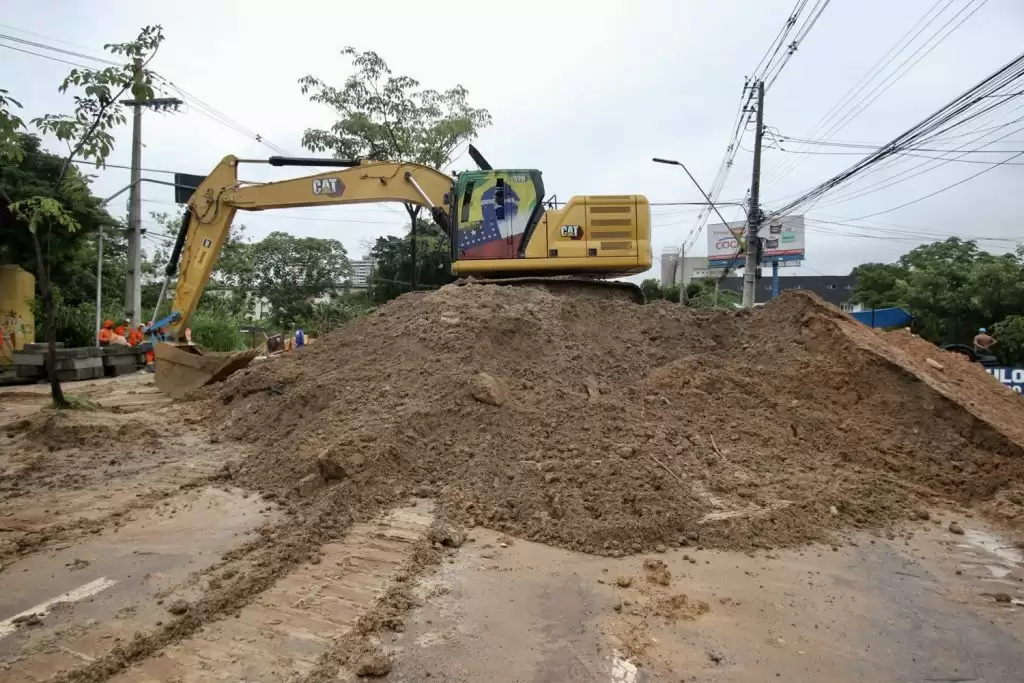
(500, 231)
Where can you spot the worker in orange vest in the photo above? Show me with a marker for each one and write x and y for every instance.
(121, 329)
(135, 336)
(106, 332)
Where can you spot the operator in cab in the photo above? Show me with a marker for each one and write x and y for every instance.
(983, 341)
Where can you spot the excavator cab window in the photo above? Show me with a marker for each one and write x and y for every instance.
(497, 211)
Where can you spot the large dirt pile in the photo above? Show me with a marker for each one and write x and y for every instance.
(623, 427)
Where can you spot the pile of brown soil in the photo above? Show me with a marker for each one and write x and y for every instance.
(620, 427)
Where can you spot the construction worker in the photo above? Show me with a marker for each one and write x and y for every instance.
(106, 332)
(122, 329)
(300, 338)
(983, 341)
(135, 336)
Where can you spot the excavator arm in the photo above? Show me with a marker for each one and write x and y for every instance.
(183, 368)
(213, 206)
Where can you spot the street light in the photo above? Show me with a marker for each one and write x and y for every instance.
(673, 162)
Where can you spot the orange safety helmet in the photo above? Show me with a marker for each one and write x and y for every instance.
(107, 324)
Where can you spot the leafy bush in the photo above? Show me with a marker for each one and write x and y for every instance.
(216, 332)
(1010, 337)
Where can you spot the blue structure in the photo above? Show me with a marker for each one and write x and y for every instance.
(883, 317)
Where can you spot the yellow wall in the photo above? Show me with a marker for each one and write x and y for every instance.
(17, 292)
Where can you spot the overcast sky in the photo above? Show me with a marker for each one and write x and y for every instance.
(586, 95)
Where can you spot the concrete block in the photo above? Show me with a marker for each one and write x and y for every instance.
(22, 358)
(41, 346)
(95, 352)
(79, 363)
(29, 371)
(75, 375)
(118, 370)
(111, 361)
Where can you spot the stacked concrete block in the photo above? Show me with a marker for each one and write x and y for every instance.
(80, 363)
(120, 360)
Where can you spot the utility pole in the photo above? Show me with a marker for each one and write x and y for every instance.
(133, 285)
(133, 282)
(754, 212)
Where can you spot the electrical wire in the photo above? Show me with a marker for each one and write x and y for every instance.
(58, 49)
(941, 190)
(835, 119)
(50, 57)
(954, 112)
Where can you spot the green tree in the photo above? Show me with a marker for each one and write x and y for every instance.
(879, 285)
(293, 272)
(390, 118)
(392, 258)
(71, 255)
(951, 288)
(1009, 335)
(651, 287)
(87, 132)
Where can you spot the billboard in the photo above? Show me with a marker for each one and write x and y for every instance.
(1012, 378)
(783, 241)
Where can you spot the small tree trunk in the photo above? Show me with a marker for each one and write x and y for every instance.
(56, 391)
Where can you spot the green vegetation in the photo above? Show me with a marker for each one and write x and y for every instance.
(952, 289)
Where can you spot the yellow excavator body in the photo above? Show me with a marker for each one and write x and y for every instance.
(500, 230)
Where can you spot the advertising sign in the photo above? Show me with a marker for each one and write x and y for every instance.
(783, 241)
(1012, 378)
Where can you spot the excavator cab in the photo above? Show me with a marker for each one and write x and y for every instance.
(493, 212)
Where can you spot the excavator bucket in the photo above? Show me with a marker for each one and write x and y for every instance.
(181, 369)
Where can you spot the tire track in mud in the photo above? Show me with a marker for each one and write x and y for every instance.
(292, 594)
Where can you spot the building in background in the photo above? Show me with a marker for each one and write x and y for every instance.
(361, 273)
(694, 267)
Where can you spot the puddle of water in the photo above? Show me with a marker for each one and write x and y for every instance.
(995, 545)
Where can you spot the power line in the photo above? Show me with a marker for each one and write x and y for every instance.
(939, 191)
(958, 110)
(51, 58)
(57, 49)
(855, 108)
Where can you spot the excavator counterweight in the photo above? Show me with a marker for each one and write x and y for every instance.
(499, 227)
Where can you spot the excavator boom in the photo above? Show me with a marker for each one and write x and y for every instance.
(498, 226)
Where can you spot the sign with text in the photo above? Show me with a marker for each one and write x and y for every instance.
(783, 241)
(1012, 378)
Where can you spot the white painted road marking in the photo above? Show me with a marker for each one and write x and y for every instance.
(90, 589)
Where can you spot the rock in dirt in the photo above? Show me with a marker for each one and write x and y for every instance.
(624, 581)
(934, 364)
(657, 572)
(488, 389)
(922, 514)
(178, 607)
(309, 484)
(329, 468)
(447, 535)
(955, 528)
(373, 666)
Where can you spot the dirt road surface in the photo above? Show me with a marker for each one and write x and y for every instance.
(128, 554)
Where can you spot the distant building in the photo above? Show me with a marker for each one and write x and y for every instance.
(835, 289)
(361, 273)
(694, 267)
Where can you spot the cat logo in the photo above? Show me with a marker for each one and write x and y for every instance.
(574, 232)
(331, 187)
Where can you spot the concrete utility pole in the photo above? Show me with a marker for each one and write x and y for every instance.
(133, 282)
(754, 213)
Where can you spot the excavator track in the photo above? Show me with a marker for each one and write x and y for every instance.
(568, 285)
